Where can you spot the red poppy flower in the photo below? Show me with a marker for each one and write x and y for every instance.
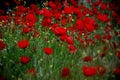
(47, 13)
(87, 58)
(79, 25)
(118, 54)
(32, 71)
(69, 40)
(64, 21)
(68, 10)
(90, 27)
(30, 20)
(7, 4)
(65, 72)
(26, 29)
(63, 37)
(74, 3)
(23, 44)
(101, 70)
(17, 19)
(2, 45)
(58, 15)
(103, 6)
(60, 31)
(24, 59)
(48, 50)
(103, 17)
(97, 36)
(46, 22)
(72, 48)
(117, 71)
(89, 71)
(33, 7)
(107, 36)
(52, 5)
(0, 35)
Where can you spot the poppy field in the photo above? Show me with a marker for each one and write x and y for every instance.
(60, 41)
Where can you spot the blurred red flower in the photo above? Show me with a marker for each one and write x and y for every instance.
(107, 36)
(87, 58)
(60, 31)
(33, 7)
(118, 54)
(101, 70)
(80, 25)
(89, 71)
(68, 10)
(7, 4)
(23, 44)
(32, 71)
(69, 40)
(24, 59)
(72, 48)
(26, 29)
(52, 5)
(47, 13)
(46, 22)
(103, 6)
(64, 21)
(48, 50)
(30, 20)
(58, 15)
(97, 36)
(2, 45)
(90, 27)
(103, 17)
(65, 72)
(0, 35)
(116, 71)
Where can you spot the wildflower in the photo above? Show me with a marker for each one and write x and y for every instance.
(64, 21)
(52, 5)
(60, 31)
(90, 27)
(46, 22)
(103, 17)
(118, 54)
(89, 71)
(48, 50)
(72, 48)
(116, 71)
(87, 58)
(101, 70)
(32, 71)
(103, 6)
(2, 45)
(69, 40)
(26, 29)
(97, 36)
(24, 59)
(30, 20)
(65, 72)
(23, 44)
(0, 35)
